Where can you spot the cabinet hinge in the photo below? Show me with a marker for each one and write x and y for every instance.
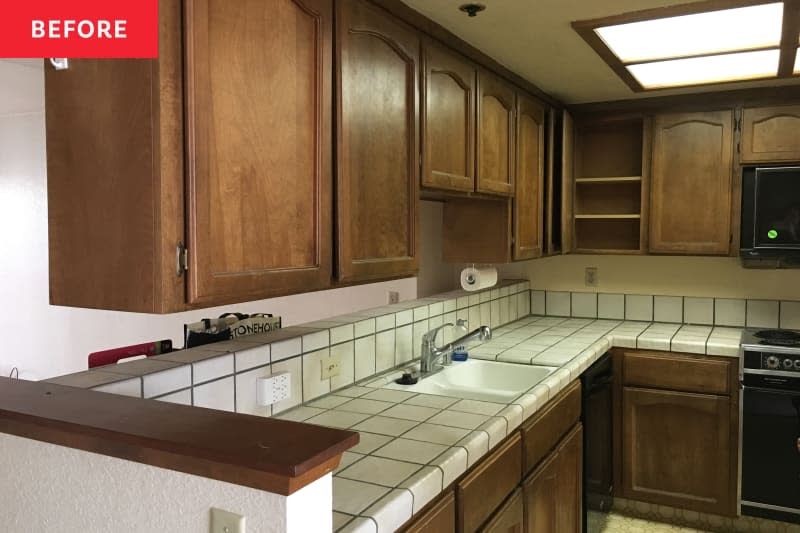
(181, 258)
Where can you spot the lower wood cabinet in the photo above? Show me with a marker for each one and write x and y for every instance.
(482, 490)
(554, 492)
(510, 518)
(678, 438)
(492, 497)
(439, 518)
(677, 449)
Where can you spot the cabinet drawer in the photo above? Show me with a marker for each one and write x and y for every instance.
(485, 488)
(543, 432)
(439, 518)
(677, 372)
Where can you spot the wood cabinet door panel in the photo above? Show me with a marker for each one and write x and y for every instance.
(439, 518)
(569, 487)
(488, 484)
(770, 134)
(377, 132)
(510, 518)
(259, 147)
(677, 448)
(529, 196)
(543, 433)
(541, 498)
(691, 183)
(495, 172)
(448, 122)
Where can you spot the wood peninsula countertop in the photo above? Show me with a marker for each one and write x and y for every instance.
(264, 453)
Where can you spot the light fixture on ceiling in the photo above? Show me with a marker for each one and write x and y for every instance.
(472, 9)
(696, 44)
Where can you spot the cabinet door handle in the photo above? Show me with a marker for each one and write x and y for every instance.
(59, 63)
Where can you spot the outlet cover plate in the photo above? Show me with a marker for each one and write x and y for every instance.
(330, 367)
(223, 521)
(591, 277)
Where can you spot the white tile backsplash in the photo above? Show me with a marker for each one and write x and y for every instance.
(286, 348)
(166, 381)
(611, 306)
(345, 354)
(215, 395)
(211, 369)
(790, 315)
(313, 384)
(537, 303)
(128, 387)
(762, 314)
(730, 312)
(668, 309)
(365, 357)
(384, 350)
(403, 347)
(183, 397)
(252, 357)
(584, 304)
(698, 310)
(638, 307)
(557, 303)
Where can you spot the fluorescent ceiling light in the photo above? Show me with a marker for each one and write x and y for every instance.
(797, 62)
(708, 69)
(743, 28)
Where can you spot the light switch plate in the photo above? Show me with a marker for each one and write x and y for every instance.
(226, 522)
(330, 367)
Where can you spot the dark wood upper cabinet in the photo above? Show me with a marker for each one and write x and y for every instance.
(691, 183)
(115, 178)
(770, 134)
(378, 144)
(495, 120)
(258, 117)
(529, 197)
(448, 120)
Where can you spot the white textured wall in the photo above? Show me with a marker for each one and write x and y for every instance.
(52, 489)
(44, 340)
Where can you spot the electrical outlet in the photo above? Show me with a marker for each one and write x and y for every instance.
(226, 522)
(274, 388)
(591, 277)
(394, 297)
(330, 367)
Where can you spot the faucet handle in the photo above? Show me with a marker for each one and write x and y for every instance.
(430, 337)
(463, 323)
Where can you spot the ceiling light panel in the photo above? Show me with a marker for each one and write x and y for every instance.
(727, 30)
(797, 62)
(709, 69)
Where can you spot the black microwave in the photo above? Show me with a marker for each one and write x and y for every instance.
(771, 213)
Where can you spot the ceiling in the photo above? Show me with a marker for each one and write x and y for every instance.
(534, 39)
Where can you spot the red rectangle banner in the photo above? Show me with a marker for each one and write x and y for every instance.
(79, 28)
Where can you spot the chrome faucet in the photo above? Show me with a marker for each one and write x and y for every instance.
(431, 353)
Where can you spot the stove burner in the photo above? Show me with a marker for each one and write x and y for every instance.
(779, 337)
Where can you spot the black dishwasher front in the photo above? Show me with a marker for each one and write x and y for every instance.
(596, 413)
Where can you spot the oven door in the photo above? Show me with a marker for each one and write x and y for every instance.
(771, 453)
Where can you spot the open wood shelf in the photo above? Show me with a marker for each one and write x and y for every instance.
(609, 196)
(613, 215)
(611, 179)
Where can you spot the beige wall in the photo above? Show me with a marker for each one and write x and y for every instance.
(679, 276)
(435, 276)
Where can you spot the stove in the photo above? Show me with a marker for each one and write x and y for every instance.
(770, 415)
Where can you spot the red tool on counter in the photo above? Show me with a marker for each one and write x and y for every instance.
(110, 357)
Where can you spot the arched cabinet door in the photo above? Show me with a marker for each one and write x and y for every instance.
(770, 134)
(377, 107)
(258, 118)
(690, 209)
(448, 120)
(496, 104)
(529, 197)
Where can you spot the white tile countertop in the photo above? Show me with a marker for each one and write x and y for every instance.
(414, 445)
